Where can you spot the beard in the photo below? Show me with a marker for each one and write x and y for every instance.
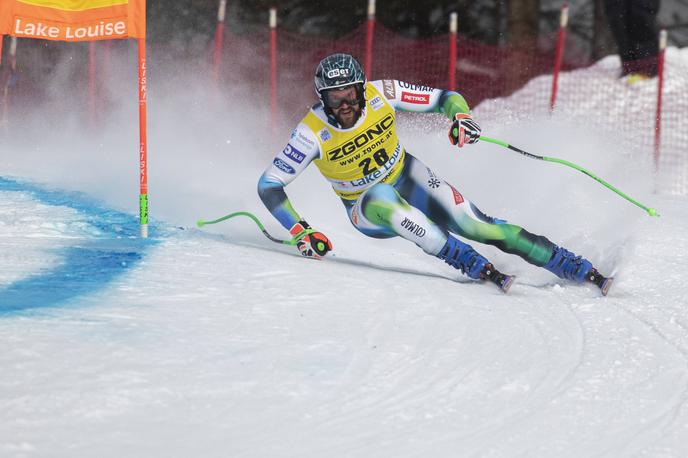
(348, 117)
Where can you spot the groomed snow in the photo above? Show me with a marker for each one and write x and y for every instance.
(218, 343)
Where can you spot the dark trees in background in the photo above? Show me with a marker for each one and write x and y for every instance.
(522, 32)
(602, 40)
(523, 22)
(185, 22)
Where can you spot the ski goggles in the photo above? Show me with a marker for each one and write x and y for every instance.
(336, 98)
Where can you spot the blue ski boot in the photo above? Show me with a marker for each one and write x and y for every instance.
(463, 257)
(565, 264)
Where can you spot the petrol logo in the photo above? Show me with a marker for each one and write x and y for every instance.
(422, 99)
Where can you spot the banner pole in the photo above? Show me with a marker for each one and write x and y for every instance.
(143, 144)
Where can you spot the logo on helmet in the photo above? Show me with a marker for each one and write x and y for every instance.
(337, 72)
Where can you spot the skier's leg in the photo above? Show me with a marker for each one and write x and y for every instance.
(381, 212)
(617, 13)
(444, 205)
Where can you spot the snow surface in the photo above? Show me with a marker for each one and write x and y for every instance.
(219, 343)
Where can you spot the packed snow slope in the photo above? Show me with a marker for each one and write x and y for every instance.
(220, 343)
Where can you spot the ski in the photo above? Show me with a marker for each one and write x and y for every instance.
(502, 281)
(599, 280)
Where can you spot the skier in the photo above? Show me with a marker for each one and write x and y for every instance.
(350, 135)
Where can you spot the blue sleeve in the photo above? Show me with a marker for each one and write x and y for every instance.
(288, 164)
(272, 194)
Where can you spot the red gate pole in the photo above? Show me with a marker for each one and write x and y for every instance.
(273, 69)
(219, 35)
(2, 37)
(563, 21)
(660, 85)
(143, 139)
(92, 83)
(370, 32)
(453, 28)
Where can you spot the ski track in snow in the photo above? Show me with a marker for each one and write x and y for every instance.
(185, 353)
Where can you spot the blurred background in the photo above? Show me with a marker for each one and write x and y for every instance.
(186, 28)
(223, 70)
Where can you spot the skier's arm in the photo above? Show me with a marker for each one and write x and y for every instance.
(271, 192)
(301, 149)
(421, 99)
(424, 99)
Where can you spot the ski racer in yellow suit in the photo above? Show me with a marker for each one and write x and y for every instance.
(350, 136)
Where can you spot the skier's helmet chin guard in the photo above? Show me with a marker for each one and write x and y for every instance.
(337, 71)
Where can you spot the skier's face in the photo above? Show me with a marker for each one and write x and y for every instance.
(344, 105)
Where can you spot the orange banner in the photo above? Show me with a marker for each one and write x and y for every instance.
(73, 20)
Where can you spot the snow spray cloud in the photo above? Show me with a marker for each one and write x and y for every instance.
(207, 144)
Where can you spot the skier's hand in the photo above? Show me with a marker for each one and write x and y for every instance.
(464, 130)
(311, 244)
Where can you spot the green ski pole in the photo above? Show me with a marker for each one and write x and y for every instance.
(201, 223)
(650, 211)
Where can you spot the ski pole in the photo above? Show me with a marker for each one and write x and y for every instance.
(201, 223)
(650, 211)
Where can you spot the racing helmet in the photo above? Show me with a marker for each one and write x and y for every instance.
(337, 71)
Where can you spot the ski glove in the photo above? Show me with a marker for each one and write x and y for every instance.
(464, 130)
(311, 244)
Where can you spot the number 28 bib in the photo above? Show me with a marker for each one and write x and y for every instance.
(354, 159)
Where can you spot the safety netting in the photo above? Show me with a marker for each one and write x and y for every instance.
(492, 78)
(489, 77)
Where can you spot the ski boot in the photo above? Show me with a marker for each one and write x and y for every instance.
(565, 264)
(463, 257)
